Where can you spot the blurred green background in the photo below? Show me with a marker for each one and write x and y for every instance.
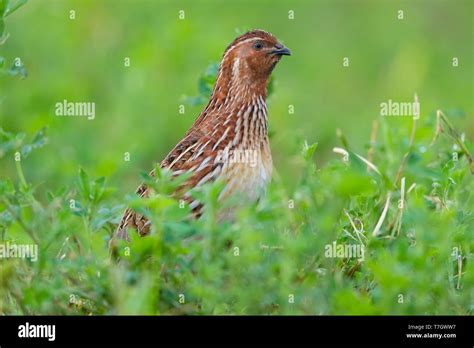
(137, 106)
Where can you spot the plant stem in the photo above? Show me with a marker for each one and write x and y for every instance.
(20, 221)
(405, 157)
(21, 176)
(457, 138)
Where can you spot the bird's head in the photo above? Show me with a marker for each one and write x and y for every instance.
(253, 55)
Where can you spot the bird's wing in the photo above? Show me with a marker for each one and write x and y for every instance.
(196, 153)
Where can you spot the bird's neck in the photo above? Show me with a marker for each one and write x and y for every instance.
(233, 94)
(233, 88)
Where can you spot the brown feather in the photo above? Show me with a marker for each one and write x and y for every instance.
(234, 120)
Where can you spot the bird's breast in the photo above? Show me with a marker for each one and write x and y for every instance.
(248, 171)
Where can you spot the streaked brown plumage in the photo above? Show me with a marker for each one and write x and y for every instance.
(234, 122)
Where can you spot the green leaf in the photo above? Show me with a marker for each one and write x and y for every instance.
(3, 7)
(308, 150)
(99, 188)
(10, 141)
(205, 85)
(16, 70)
(84, 184)
(79, 210)
(2, 27)
(12, 8)
(6, 187)
(39, 141)
(106, 215)
(211, 71)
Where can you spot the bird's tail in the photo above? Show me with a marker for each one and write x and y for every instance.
(133, 220)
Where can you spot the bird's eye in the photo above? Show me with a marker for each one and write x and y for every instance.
(258, 45)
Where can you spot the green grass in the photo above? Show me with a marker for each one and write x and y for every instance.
(271, 259)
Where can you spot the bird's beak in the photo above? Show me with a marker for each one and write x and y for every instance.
(281, 50)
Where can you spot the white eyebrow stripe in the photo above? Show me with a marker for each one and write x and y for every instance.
(248, 40)
(242, 42)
